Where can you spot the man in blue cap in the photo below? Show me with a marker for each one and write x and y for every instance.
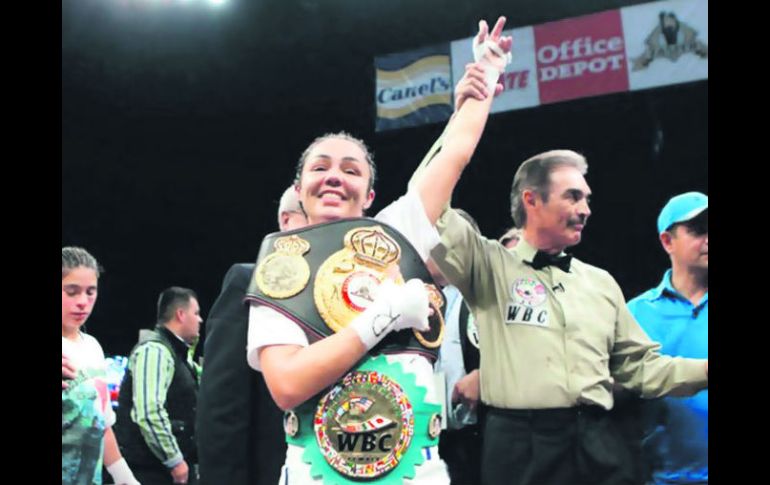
(675, 313)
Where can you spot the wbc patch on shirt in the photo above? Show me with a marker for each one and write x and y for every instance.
(527, 305)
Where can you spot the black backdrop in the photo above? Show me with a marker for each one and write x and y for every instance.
(181, 126)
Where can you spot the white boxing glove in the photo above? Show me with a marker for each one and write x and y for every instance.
(121, 474)
(394, 308)
(494, 60)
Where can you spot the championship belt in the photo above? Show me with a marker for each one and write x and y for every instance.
(284, 273)
(373, 424)
(324, 276)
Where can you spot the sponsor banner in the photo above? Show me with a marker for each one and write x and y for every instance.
(666, 42)
(638, 47)
(519, 79)
(413, 88)
(579, 57)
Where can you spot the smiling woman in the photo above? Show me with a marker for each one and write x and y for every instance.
(335, 178)
(353, 335)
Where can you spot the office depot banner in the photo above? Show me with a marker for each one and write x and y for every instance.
(581, 57)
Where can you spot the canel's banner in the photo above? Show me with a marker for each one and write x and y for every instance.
(413, 88)
(637, 47)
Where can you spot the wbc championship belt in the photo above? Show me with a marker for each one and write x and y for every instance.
(324, 276)
(372, 425)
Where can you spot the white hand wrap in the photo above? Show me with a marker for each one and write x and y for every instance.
(394, 308)
(482, 53)
(121, 473)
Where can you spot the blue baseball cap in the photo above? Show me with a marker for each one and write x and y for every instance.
(682, 208)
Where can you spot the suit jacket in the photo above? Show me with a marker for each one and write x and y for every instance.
(239, 427)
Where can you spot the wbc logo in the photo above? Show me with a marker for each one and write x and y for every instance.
(528, 296)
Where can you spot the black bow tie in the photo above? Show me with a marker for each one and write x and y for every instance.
(541, 260)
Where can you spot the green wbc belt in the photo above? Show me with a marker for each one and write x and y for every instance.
(371, 426)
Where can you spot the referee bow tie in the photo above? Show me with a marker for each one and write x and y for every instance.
(541, 260)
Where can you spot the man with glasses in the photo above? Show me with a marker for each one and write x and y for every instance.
(675, 313)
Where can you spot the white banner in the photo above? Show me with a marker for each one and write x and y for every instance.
(519, 78)
(666, 42)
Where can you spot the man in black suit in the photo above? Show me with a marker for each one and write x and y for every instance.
(239, 428)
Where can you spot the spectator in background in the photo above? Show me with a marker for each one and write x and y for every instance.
(675, 313)
(290, 213)
(87, 415)
(159, 392)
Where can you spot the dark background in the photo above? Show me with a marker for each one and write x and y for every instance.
(181, 126)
